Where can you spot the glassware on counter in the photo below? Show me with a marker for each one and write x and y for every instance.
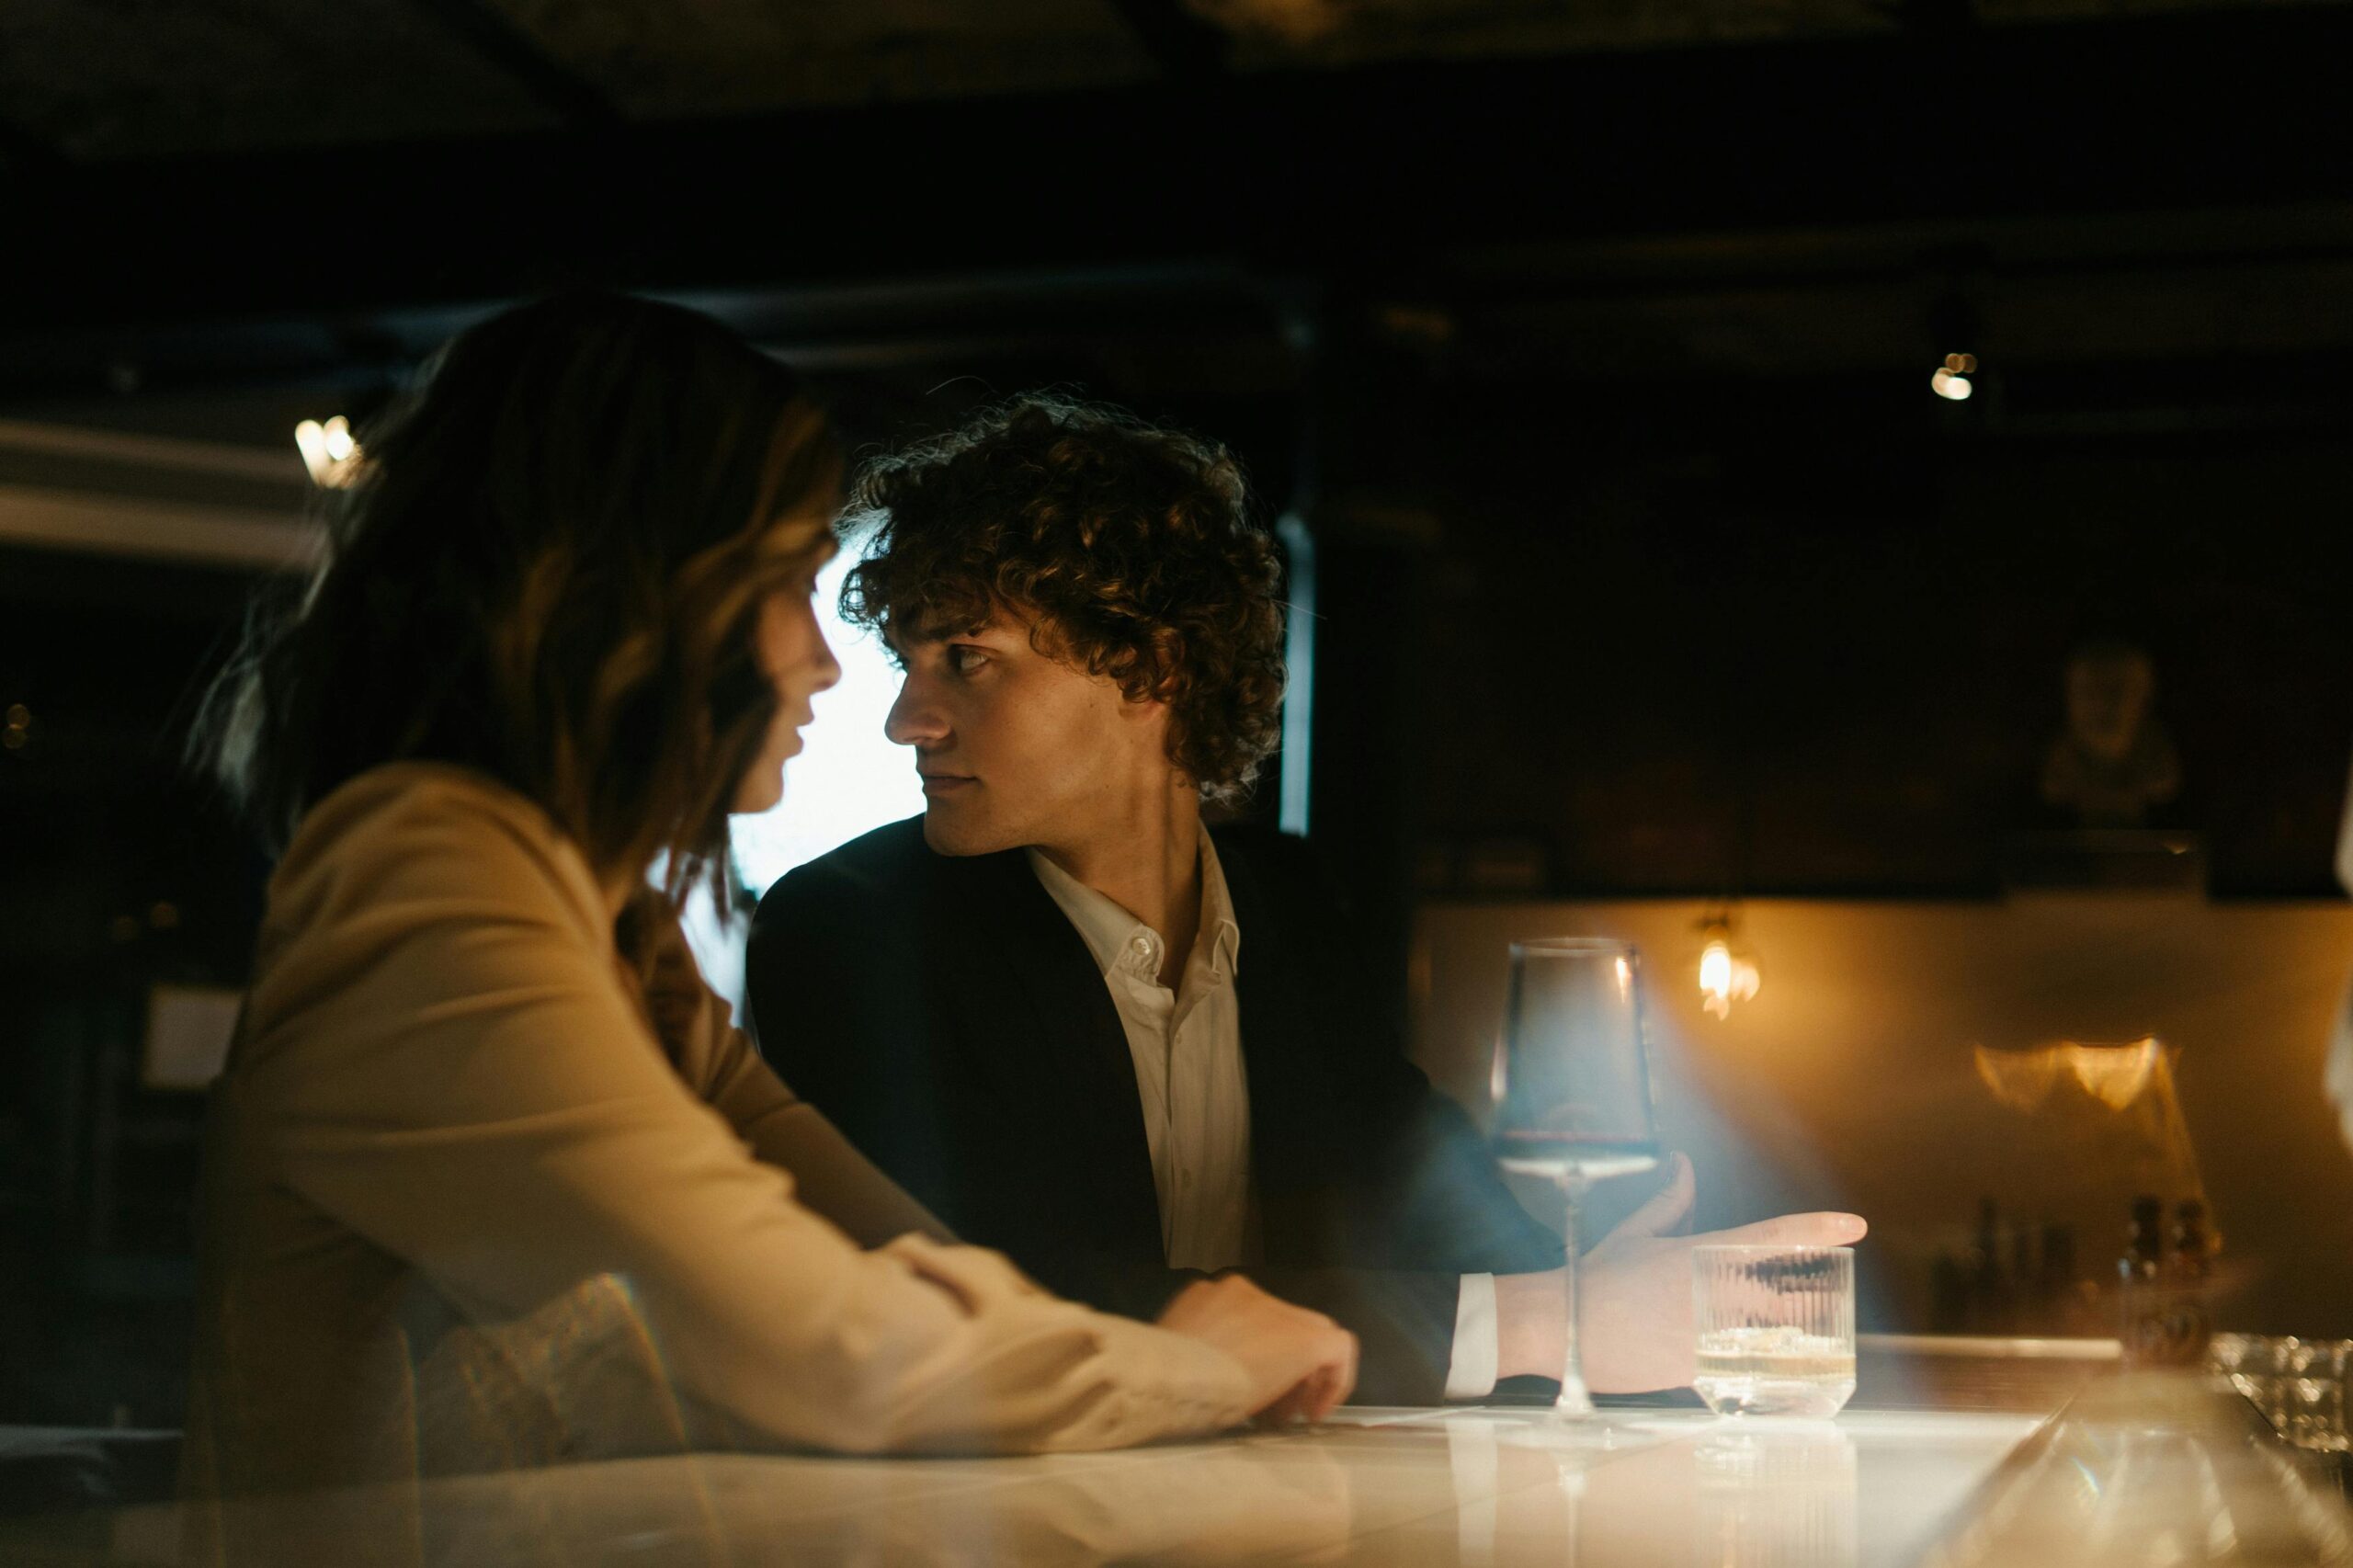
(1572, 1088)
(1775, 1329)
(2297, 1384)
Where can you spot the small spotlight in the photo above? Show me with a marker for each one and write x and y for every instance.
(1961, 364)
(328, 451)
(1951, 384)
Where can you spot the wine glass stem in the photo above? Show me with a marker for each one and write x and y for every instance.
(1575, 1398)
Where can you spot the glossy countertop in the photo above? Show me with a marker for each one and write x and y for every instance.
(2142, 1470)
(1470, 1486)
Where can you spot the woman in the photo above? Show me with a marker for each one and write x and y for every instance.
(482, 1123)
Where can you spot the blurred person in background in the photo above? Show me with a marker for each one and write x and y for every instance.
(485, 1137)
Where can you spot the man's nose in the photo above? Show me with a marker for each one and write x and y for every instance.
(914, 720)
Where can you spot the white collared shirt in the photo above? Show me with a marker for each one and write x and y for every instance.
(1187, 1045)
(1195, 1094)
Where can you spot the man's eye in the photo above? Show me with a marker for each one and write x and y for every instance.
(963, 660)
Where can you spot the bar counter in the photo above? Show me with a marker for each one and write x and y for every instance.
(1405, 1487)
(2133, 1472)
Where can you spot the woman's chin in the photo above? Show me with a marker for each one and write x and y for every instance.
(759, 795)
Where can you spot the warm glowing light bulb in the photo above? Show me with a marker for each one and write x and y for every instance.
(1725, 977)
(328, 451)
(1950, 384)
(1715, 977)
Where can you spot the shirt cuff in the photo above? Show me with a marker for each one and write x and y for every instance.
(1472, 1372)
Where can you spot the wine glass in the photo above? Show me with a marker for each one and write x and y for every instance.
(1572, 1089)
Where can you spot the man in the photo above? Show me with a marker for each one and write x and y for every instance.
(1124, 1049)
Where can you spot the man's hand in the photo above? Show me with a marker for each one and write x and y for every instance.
(1634, 1294)
(1302, 1364)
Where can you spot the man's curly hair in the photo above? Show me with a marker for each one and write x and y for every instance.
(1130, 548)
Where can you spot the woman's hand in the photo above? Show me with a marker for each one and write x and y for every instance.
(1302, 1364)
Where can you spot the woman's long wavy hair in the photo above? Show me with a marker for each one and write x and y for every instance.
(549, 569)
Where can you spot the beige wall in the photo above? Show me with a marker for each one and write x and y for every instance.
(1849, 1081)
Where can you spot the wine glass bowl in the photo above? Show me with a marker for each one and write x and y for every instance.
(1572, 1083)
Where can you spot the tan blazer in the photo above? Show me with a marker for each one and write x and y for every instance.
(449, 1111)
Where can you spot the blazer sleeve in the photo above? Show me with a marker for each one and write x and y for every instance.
(456, 1072)
(1429, 1194)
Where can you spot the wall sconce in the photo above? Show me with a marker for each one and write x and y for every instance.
(1728, 971)
(328, 451)
(1951, 379)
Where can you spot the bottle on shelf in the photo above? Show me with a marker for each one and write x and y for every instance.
(1947, 1294)
(2071, 1302)
(2166, 1319)
(2193, 1247)
(2141, 1310)
(2189, 1279)
(1990, 1292)
(2026, 1282)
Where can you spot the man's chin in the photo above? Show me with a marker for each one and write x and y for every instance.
(948, 832)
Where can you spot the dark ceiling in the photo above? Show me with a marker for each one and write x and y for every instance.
(129, 79)
(291, 162)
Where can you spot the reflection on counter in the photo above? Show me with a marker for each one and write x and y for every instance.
(2150, 1470)
(1488, 1488)
(1743, 1494)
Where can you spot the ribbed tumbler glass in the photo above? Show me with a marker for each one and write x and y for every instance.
(1775, 1327)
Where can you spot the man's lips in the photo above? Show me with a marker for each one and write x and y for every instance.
(946, 783)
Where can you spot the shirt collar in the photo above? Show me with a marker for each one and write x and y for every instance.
(1109, 931)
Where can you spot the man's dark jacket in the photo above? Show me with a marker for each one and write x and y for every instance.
(951, 1021)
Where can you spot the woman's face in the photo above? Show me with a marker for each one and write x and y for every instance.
(792, 653)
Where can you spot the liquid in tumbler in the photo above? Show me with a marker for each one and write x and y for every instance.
(1775, 1329)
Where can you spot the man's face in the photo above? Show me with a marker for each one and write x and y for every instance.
(1019, 749)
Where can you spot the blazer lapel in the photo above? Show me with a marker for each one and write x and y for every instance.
(1040, 1012)
(1290, 1104)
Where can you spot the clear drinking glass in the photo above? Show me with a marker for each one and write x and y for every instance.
(2300, 1385)
(1775, 1329)
(1572, 1088)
